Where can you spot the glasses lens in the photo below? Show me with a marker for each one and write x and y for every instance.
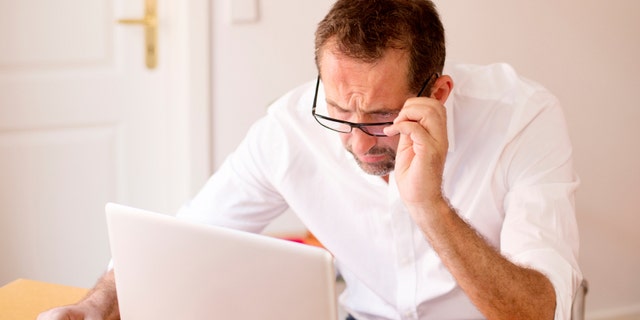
(333, 125)
(375, 130)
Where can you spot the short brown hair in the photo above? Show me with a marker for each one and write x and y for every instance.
(365, 29)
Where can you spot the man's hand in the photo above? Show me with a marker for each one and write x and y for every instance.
(72, 312)
(422, 150)
(100, 304)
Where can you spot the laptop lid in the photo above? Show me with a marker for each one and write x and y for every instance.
(166, 268)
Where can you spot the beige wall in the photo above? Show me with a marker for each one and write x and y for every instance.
(586, 51)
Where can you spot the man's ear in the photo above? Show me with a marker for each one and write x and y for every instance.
(442, 88)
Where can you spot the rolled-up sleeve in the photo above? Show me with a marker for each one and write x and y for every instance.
(540, 229)
(541, 234)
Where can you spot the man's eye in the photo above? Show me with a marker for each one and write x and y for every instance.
(340, 111)
(386, 115)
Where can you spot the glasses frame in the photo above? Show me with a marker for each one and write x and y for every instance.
(361, 126)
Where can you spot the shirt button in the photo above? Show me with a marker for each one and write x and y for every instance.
(410, 315)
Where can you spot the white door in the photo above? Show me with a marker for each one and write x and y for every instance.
(84, 122)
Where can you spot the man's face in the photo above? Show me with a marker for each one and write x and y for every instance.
(366, 93)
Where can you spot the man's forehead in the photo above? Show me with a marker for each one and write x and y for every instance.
(331, 54)
(380, 98)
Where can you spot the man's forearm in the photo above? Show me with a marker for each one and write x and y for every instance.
(103, 297)
(499, 288)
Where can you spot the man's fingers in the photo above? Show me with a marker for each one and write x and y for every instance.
(429, 114)
(406, 128)
(422, 109)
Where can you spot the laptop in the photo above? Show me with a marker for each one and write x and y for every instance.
(167, 268)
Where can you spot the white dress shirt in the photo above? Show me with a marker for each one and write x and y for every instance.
(508, 173)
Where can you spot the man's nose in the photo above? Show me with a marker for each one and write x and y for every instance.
(361, 142)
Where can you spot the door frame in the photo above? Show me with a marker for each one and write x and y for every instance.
(190, 109)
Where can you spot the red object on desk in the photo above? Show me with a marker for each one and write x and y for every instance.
(308, 238)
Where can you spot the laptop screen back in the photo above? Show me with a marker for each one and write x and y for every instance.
(166, 268)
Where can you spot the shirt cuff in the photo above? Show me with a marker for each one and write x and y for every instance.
(563, 276)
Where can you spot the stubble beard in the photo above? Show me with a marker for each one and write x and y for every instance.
(381, 168)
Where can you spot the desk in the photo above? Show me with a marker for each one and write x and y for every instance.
(24, 299)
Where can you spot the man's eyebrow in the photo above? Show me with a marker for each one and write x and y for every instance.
(378, 111)
(334, 104)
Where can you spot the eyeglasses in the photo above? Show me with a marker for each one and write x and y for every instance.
(375, 129)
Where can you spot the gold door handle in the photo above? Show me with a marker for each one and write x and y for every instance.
(150, 24)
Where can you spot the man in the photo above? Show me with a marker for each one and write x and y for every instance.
(447, 203)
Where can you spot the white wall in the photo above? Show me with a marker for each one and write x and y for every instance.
(255, 63)
(585, 51)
